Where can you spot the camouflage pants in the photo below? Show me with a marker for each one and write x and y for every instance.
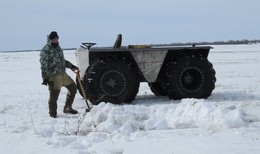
(55, 85)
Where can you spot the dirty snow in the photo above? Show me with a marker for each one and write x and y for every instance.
(226, 122)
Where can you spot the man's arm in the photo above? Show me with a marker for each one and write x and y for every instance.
(71, 66)
(44, 60)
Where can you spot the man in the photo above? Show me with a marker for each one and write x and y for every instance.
(53, 67)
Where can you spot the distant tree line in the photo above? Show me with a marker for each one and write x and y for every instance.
(230, 42)
(65, 49)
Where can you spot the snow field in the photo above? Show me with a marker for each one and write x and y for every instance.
(226, 122)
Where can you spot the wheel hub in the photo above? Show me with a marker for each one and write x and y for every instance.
(191, 79)
(113, 83)
(188, 79)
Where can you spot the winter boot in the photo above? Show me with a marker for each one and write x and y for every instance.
(72, 90)
(54, 94)
(70, 110)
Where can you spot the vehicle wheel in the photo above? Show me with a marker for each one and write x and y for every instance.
(190, 77)
(111, 81)
(158, 88)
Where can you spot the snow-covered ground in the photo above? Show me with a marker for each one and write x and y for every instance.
(226, 122)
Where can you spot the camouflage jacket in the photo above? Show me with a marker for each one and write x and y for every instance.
(52, 61)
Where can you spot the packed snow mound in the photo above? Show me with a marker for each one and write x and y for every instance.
(189, 113)
(192, 113)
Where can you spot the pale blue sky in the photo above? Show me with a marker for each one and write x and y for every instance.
(26, 23)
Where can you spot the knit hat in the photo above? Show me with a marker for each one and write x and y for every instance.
(53, 35)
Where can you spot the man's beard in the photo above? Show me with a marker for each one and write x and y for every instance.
(55, 44)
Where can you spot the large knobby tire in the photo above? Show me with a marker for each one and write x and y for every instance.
(158, 88)
(190, 77)
(111, 80)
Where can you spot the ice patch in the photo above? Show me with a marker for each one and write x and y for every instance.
(62, 141)
(162, 125)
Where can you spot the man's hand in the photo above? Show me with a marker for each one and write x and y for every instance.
(74, 68)
(45, 82)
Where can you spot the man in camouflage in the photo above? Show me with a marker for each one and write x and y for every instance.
(53, 67)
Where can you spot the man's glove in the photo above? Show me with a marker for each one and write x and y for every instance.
(45, 79)
(74, 68)
(45, 82)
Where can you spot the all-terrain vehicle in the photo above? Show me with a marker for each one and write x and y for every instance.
(113, 74)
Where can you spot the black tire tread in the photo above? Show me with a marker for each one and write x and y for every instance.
(101, 65)
(174, 67)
